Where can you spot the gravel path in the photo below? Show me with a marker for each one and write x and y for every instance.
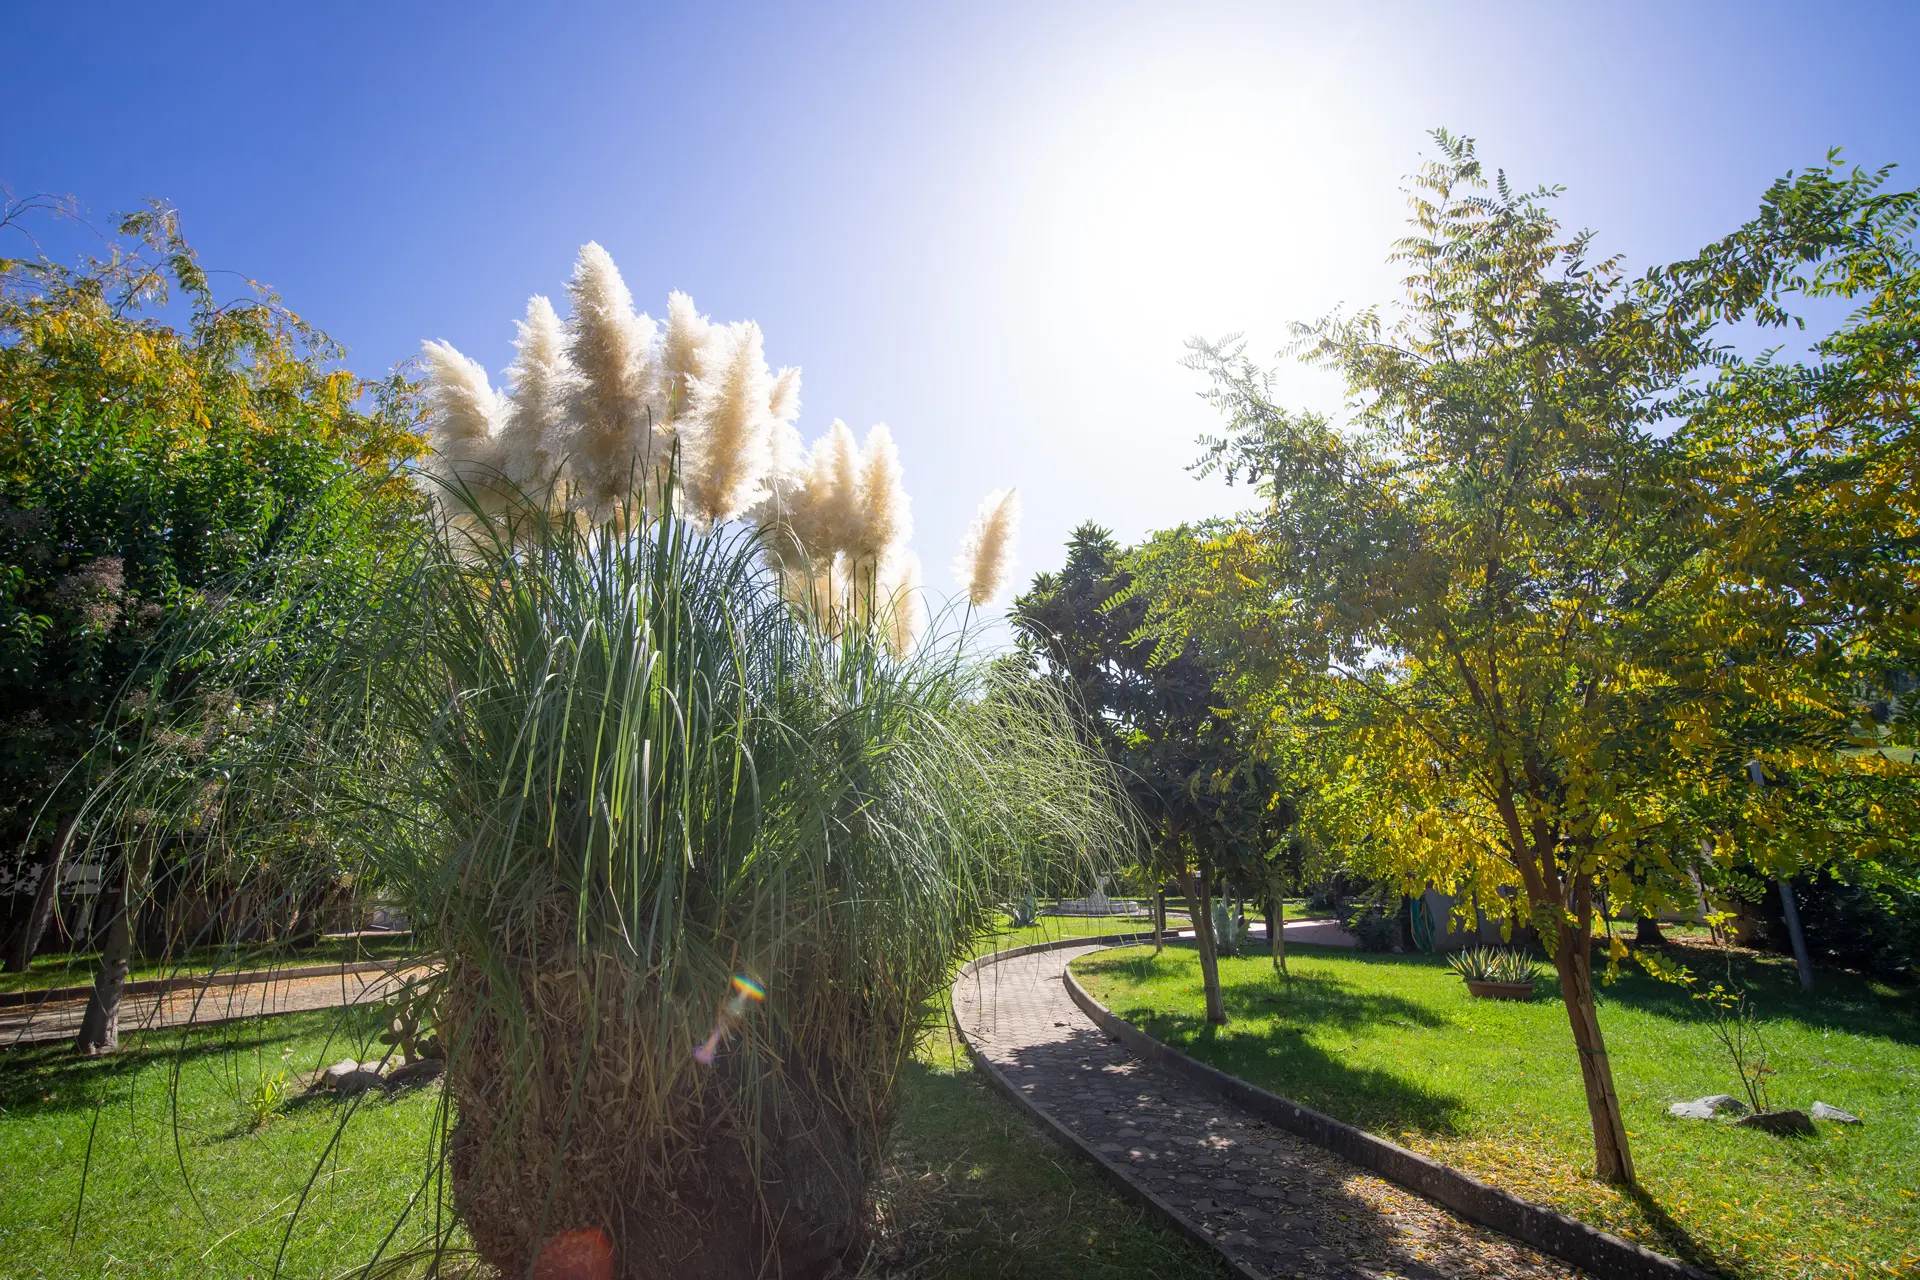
(1277, 1205)
(202, 1006)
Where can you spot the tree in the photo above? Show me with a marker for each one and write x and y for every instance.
(1470, 587)
(1211, 805)
(1534, 634)
(141, 466)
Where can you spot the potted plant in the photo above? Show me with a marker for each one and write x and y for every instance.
(1491, 974)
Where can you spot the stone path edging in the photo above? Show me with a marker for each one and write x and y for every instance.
(187, 982)
(1593, 1250)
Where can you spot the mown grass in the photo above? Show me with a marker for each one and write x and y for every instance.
(77, 968)
(180, 1183)
(1395, 1045)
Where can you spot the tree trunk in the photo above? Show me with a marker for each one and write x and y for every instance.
(1646, 933)
(1159, 918)
(100, 1027)
(1573, 962)
(1277, 924)
(1200, 907)
(1790, 912)
(46, 900)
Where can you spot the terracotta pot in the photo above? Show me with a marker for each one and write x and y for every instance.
(1501, 990)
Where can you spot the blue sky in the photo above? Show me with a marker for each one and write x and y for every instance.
(990, 226)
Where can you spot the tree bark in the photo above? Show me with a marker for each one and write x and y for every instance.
(100, 1026)
(1200, 907)
(1159, 918)
(1646, 933)
(46, 900)
(1277, 923)
(1790, 912)
(1573, 962)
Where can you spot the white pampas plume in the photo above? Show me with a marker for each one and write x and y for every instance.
(725, 455)
(985, 562)
(886, 513)
(827, 518)
(464, 411)
(901, 588)
(617, 441)
(784, 404)
(786, 487)
(542, 378)
(686, 355)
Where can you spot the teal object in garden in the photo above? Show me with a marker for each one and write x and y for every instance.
(1423, 931)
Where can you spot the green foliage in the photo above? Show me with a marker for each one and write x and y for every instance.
(269, 1093)
(1186, 763)
(144, 465)
(1374, 927)
(1526, 633)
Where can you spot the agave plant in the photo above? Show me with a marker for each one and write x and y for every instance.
(1024, 913)
(1488, 964)
(697, 846)
(1229, 929)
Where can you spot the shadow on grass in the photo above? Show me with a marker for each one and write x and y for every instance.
(1266, 1041)
(41, 1079)
(1678, 1241)
(970, 1191)
(1840, 1001)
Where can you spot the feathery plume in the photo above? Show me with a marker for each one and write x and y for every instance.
(617, 436)
(464, 410)
(541, 377)
(886, 512)
(686, 355)
(827, 517)
(985, 562)
(725, 455)
(784, 404)
(901, 589)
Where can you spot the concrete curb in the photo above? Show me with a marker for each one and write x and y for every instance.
(1052, 1128)
(1604, 1255)
(164, 986)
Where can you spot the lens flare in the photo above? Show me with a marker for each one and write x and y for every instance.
(745, 991)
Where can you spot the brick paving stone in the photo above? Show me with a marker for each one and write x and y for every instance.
(1275, 1203)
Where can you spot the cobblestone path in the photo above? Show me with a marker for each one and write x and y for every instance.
(35, 1024)
(1277, 1204)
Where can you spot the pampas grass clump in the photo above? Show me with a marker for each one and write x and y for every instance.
(602, 408)
(642, 715)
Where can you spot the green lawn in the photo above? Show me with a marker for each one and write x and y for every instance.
(77, 968)
(1395, 1045)
(179, 1184)
(970, 1189)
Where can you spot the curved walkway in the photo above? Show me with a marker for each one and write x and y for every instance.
(1273, 1203)
(205, 1005)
